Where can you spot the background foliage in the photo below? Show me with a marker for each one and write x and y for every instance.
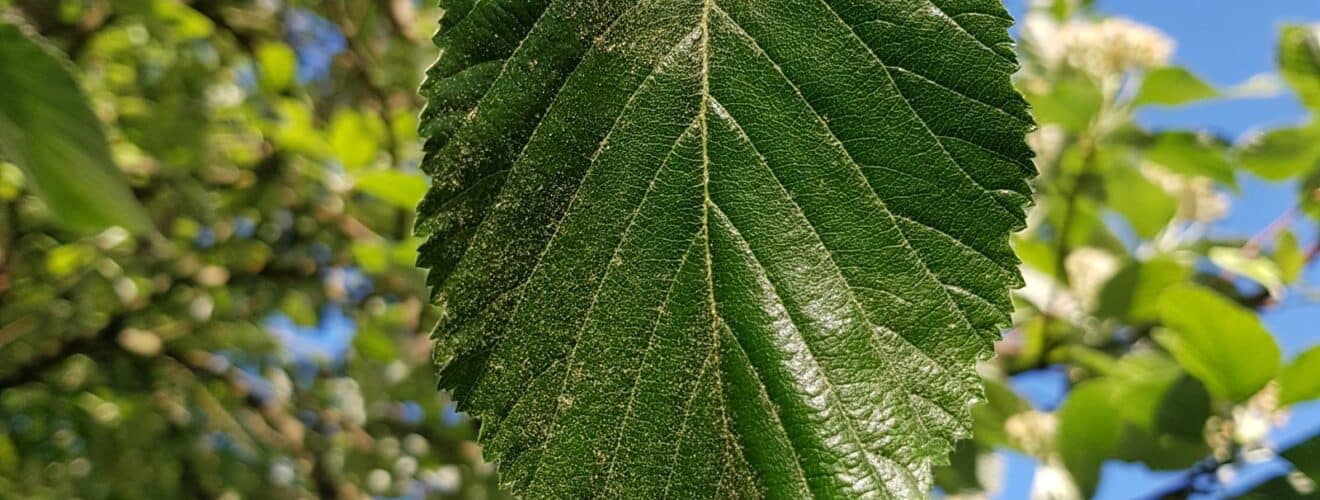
(211, 293)
(231, 310)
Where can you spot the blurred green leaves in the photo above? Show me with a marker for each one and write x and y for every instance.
(1217, 341)
(48, 129)
(1173, 86)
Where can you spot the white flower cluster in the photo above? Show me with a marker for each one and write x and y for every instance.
(1198, 200)
(1106, 47)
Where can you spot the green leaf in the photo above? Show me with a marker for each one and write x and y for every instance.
(278, 64)
(1300, 380)
(1282, 153)
(1086, 434)
(355, 138)
(680, 252)
(1072, 102)
(1193, 154)
(1132, 294)
(1299, 61)
(48, 129)
(1173, 86)
(402, 189)
(1255, 268)
(1147, 207)
(1288, 255)
(1217, 341)
(1305, 458)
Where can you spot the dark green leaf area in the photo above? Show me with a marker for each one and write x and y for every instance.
(742, 248)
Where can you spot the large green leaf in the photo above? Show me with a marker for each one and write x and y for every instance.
(48, 129)
(734, 248)
(1217, 341)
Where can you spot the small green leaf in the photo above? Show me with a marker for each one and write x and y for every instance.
(680, 253)
(1288, 255)
(355, 138)
(1193, 154)
(1300, 380)
(277, 64)
(1173, 86)
(1255, 268)
(1282, 153)
(1299, 61)
(402, 189)
(1217, 341)
(48, 129)
(1087, 434)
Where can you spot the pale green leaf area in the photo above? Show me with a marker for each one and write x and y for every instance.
(1173, 86)
(1300, 380)
(1217, 341)
(1261, 270)
(399, 188)
(1283, 153)
(1146, 207)
(1299, 62)
(53, 136)
(1289, 256)
(1192, 154)
(734, 248)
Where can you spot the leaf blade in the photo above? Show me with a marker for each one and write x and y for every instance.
(661, 181)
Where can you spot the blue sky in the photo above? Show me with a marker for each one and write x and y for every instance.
(1226, 42)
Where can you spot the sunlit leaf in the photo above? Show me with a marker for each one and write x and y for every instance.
(1299, 61)
(48, 129)
(1300, 380)
(1229, 350)
(682, 253)
(1253, 267)
(402, 189)
(1192, 154)
(1281, 153)
(1173, 86)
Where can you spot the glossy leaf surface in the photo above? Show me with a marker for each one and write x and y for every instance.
(722, 249)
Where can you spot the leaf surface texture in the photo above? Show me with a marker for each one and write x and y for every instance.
(745, 248)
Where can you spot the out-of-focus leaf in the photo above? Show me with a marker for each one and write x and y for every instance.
(1299, 61)
(1189, 153)
(1147, 388)
(1173, 86)
(959, 475)
(1281, 153)
(1305, 457)
(1279, 488)
(48, 129)
(1072, 102)
(1288, 255)
(1132, 294)
(1087, 432)
(355, 138)
(1300, 380)
(402, 189)
(1255, 268)
(1218, 341)
(278, 65)
(989, 417)
(1147, 207)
